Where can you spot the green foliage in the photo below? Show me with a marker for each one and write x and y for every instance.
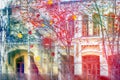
(17, 27)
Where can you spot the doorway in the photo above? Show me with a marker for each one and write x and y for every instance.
(91, 67)
(20, 65)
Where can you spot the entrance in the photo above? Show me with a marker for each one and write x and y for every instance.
(91, 67)
(20, 65)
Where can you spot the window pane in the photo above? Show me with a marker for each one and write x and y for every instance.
(85, 25)
(96, 24)
(110, 22)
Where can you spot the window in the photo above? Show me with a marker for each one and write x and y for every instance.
(85, 25)
(96, 24)
(110, 22)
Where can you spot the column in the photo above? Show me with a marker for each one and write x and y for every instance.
(78, 60)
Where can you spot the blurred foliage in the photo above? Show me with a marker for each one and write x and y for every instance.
(15, 29)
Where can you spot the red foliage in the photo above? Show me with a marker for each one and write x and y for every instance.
(37, 15)
(34, 23)
(31, 46)
(47, 42)
(52, 54)
(30, 32)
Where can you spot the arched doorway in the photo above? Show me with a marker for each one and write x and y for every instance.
(18, 60)
(91, 67)
(20, 64)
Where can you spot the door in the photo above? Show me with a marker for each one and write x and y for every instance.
(91, 67)
(20, 65)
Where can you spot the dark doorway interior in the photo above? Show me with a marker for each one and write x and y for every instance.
(20, 65)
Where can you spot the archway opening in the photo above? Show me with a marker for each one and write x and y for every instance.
(20, 64)
(91, 67)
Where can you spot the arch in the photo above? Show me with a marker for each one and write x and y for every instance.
(90, 52)
(13, 53)
(23, 63)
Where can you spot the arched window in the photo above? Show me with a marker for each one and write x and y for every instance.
(85, 25)
(96, 24)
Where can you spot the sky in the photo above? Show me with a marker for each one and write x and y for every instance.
(4, 3)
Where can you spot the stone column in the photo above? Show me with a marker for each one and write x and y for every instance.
(78, 60)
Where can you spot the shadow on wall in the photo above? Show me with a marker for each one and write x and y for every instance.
(35, 75)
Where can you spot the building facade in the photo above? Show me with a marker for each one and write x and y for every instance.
(34, 38)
